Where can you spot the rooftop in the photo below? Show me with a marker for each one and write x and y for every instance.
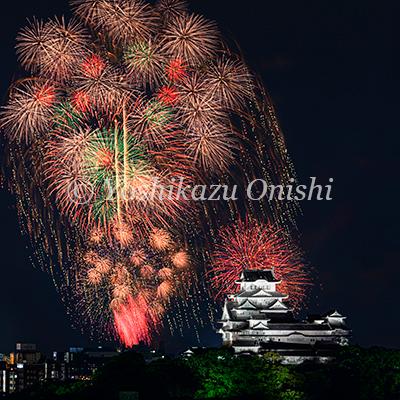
(260, 293)
(254, 275)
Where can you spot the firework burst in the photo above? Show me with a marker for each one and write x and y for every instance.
(191, 38)
(256, 246)
(123, 21)
(29, 110)
(53, 48)
(145, 63)
(229, 81)
(212, 147)
(168, 10)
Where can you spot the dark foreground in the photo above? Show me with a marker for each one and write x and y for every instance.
(215, 374)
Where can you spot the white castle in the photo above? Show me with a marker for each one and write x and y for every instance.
(257, 320)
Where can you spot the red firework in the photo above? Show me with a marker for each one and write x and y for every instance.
(168, 95)
(250, 245)
(132, 321)
(80, 101)
(176, 70)
(93, 66)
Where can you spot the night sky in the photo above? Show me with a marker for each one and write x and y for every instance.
(329, 67)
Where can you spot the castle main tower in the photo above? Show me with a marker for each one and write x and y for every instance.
(257, 319)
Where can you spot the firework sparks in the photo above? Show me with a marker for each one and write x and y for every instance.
(256, 246)
(160, 239)
(132, 321)
(53, 48)
(29, 110)
(229, 81)
(124, 21)
(212, 147)
(180, 259)
(168, 95)
(138, 257)
(191, 37)
(147, 276)
(168, 10)
(145, 63)
(176, 70)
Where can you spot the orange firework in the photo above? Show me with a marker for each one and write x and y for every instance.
(160, 239)
(94, 276)
(164, 290)
(138, 257)
(180, 259)
(165, 273)
(103, 265)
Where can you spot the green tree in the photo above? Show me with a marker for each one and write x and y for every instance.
(374, 372)
(221, 374)
(279, 381)
(171, 378)
(127, 372)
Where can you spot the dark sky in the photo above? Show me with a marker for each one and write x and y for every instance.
(330, 68)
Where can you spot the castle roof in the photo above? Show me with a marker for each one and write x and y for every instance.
(261, 325)
(254, 275)
(260, 293)
(278, 305)
(334, 314)
(247, 305)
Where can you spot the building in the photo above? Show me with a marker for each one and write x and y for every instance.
(84, 363)
(27, 367)
(257, 320)
(78, 363)
(25, 353)
(3, 378)
(23, 369)
(22, 376)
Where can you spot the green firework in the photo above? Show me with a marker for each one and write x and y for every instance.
(110, 158)
(139, 55)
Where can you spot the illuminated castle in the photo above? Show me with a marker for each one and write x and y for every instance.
(257, 320)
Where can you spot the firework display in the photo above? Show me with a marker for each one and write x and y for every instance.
(257, 246)
(118, 103)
